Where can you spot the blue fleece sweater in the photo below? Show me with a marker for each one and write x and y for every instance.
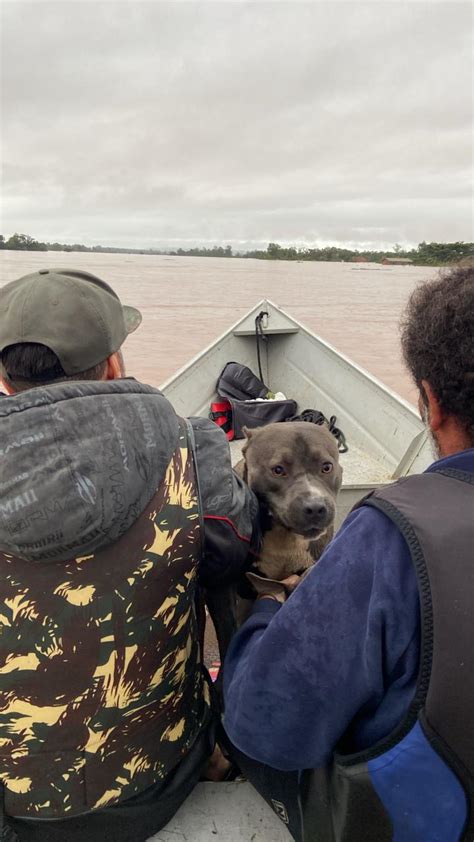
(338, 662)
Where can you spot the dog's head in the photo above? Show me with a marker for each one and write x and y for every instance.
(294, 470)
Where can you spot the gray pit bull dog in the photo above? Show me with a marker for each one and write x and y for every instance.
(294, 471)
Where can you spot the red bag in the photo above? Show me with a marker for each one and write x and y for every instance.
(221, 414)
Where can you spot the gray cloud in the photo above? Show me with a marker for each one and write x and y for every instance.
(154, 123)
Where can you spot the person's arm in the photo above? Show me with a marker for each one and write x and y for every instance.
(229, 508)
(298, 675)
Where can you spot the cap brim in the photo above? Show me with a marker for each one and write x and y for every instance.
(132, 318)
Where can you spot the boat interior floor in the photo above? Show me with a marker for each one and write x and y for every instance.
(226, 812)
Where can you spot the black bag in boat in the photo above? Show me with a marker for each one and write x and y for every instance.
(237, 381)
(258, 413)
(242, 389)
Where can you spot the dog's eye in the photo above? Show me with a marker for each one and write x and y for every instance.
(326, 468)
(279, 471)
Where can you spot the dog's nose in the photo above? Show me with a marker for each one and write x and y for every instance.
(315, 509)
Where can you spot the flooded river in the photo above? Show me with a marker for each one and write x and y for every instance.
(188, 301)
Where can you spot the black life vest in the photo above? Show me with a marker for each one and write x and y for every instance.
(416, 785)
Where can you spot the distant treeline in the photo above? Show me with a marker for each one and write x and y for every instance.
(23, 242)
(215, 251)
(426, 254)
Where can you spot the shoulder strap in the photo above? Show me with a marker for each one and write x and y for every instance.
(200, 600)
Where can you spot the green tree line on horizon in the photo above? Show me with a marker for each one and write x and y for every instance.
(426, 254)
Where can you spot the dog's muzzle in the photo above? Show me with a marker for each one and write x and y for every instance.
(310, 515)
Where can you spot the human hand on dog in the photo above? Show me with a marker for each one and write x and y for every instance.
(289, 584)
(277, 589)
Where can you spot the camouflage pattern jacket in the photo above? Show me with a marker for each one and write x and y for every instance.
(111, 510)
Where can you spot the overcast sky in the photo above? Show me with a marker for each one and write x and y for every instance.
(175, 123)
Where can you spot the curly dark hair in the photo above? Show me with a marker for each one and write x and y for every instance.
(437, 332)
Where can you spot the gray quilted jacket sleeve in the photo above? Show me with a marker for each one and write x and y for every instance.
(229, 508)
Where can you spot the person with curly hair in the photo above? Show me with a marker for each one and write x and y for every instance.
(438, 347)
(349, 705)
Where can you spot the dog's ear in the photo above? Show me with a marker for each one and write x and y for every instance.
(248, 434)
(243, 472)
(241, 469)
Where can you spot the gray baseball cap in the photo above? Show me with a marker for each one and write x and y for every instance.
(73, 313)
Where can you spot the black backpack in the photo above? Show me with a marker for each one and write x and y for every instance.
(248, 400)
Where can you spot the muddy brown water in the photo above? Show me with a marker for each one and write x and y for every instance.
(189, 301)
